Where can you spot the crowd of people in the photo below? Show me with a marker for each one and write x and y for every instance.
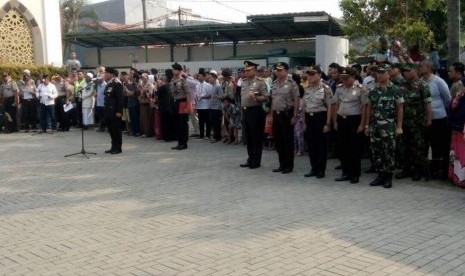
(393, 113)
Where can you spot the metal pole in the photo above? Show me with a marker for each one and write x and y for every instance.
(144, 16)
(99, 56)
(211, 45)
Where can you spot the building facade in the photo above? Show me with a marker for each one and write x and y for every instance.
(30, 32)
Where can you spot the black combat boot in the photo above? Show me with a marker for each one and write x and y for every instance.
(387, 183)
(379, 180)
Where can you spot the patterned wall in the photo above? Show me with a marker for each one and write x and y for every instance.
(16, 43)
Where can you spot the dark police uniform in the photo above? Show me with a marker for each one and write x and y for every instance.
(283, 105)
(253, 116)
(317, 100)
(113, 104)
(180, 90)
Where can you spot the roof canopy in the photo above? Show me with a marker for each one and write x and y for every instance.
(258, 28)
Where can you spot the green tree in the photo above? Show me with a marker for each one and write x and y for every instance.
(411, 21)
(76, 16)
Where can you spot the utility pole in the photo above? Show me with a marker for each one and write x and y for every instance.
(453, 30)
(144, 16)
(179, 16)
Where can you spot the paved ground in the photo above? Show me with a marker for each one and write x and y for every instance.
(154, 211)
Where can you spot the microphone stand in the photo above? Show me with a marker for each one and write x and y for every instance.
(83, 150)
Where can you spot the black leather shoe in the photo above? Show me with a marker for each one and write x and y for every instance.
(320, 175)
(181, 147)
(342, 178)
(109, 151)
(175, 148)
(254, 166)
(339, 167)
(354, 180)
(116, 151)
(310, 174)
(286, 171)
(277, 170)
(245, 165)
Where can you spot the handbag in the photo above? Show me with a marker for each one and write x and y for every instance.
(185, 108)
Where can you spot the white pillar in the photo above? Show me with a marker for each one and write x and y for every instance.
(52, 33)
(331, 49)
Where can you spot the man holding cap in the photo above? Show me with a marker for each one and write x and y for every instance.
(253, 94)
(285, 106)
(351, 100)
(113, 109)
(319, 103)
(384, 122)
(182, 102)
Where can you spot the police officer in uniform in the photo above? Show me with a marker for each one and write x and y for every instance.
(113, 109)
(181, 96)
(351, 100)
(253, 94)
(285, 106)
(9, 99)
(318, 100)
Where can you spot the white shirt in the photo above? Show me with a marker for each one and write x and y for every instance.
(203, 89)
(47, 93)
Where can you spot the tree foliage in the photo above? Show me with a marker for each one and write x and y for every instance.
(413, 22)
(76, 16)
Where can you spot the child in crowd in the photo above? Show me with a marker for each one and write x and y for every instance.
(299, 130)
(231, 113)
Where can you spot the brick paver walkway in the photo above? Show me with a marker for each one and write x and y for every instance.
(154, 211)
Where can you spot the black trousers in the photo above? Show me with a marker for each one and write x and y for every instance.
(11, 109)
(181, 124)
(350, 144)
(283, 133)
(254, 128)
(78, 113)
(114, 128)
(167, 125)
(216, 116)
(317, 141)
(62, 116)
(204, 122)
(29, 112)
(438, 137)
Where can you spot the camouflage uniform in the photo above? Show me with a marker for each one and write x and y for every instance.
(382, 129)
(399, 81)
(413, 147)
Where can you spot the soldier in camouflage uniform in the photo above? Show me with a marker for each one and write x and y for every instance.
(397, 79)
(413, 148)
(383, 102)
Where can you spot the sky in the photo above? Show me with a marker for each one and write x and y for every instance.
(237, 10)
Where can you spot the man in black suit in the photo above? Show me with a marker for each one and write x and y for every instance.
(113, 109)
